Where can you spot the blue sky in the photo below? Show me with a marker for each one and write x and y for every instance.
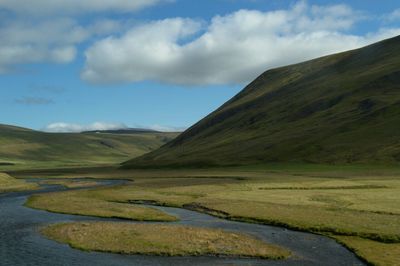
(72, 65)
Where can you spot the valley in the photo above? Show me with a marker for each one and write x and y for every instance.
(300, 168)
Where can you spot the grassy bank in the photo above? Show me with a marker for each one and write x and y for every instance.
(82, 203)
(10, 184)
(366, 208)
(376, 253)
(71, 183)
(166, 240)
(354, 201)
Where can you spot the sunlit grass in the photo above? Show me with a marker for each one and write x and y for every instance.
(82, 203)
(165, 240)
(339, 201)
(10, 184)
(376, 253)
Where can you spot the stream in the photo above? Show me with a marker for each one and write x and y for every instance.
(22, 244)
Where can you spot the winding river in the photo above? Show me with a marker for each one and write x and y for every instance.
(21, 244)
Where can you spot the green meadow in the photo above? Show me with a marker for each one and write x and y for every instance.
(10, 184)
(161, 240)
(358, 206)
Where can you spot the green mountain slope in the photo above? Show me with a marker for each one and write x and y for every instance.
(27, 148)
(342, 108)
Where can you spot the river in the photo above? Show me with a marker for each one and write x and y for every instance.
(22, 244)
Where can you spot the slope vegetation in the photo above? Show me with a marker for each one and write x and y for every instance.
(343, 108)
(20, 147)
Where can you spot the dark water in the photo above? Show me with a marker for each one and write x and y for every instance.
(21, 244)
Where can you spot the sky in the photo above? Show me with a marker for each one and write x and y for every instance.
(73, 65)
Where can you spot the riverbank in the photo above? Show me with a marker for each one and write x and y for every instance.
(358, 202)
(161, 240)
(10, 184)
(24, 243)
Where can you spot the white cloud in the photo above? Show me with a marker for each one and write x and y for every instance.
(60, 127)
(166, 128)
(151, 47)
(63, 54)
(50, 30)
(395, 15)
(23, 41)
(40, 7)
(105, 26)
(67, 127)
(231, 49)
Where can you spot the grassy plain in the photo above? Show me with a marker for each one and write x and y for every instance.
(381, 254)
(358, 202)
(10, 184)
(166, 240)
(83, 203)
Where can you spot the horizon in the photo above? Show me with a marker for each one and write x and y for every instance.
(95, 128)
(180, 61)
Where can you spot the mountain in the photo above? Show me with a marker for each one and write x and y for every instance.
(342, 108)
(23, 147)
(124, 131)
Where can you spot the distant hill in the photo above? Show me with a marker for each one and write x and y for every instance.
(343, 108)
(124, 131)
(21, 147)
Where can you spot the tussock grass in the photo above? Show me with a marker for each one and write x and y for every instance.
(165, 240)
(81, 203)
(363, 203)
(370, 210)
(381, 227)
(70, 183)
(10, 184)
(323, 188)
(375, 253)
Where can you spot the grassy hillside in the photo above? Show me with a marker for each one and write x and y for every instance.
(25, 148)
(343, 108)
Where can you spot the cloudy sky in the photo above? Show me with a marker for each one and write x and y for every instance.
(69, 65)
